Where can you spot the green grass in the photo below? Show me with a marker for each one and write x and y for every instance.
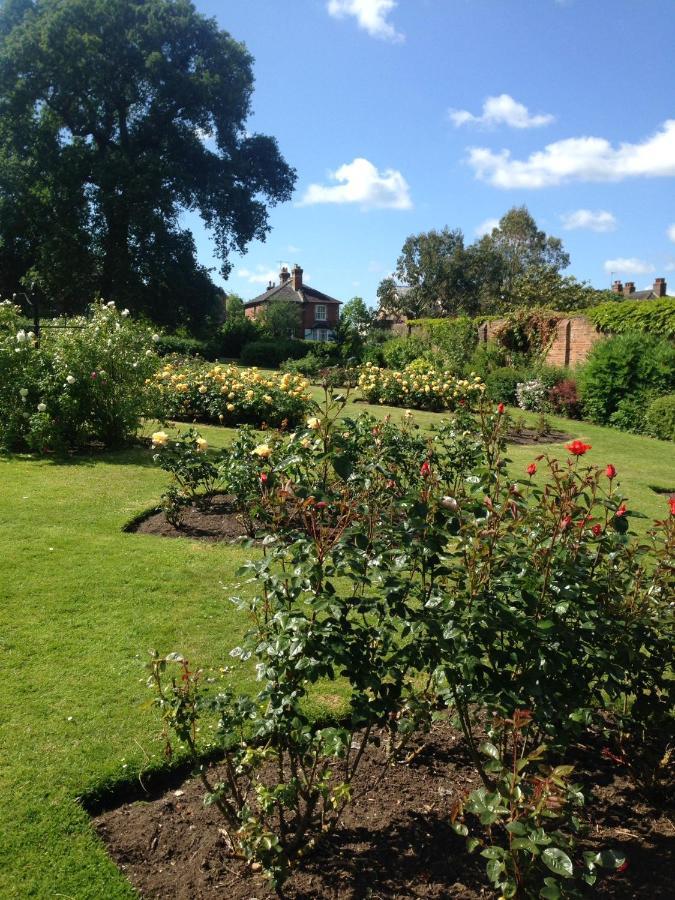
(81, 603)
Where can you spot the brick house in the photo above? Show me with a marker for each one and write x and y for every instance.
(320, 313)
(628, 290)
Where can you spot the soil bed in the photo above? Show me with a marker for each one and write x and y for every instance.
(532, 436)
(396, 842)
(216, 522)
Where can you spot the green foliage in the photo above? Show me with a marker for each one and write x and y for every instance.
(194, 477)
(419, 386)
(453, 341)
(182, 346)
(660, 418)
(501, 384)
(281, 319)
(356, 316)
(84, 383)
(621, 372)
(232, 336)
(655, 317)
(400, 351)
(529, 818)
(117, 116)
(270, 354)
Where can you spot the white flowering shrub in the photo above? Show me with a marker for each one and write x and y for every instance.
(84, 383)
(531, 395)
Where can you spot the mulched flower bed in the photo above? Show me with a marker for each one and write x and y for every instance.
(216, 522)
(396, 842)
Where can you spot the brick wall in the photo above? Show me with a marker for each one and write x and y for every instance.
(572, 342)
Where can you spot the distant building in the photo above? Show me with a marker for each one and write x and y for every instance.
(628, 290)
(320, 313)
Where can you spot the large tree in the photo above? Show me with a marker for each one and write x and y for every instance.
(434, 270)
(117, 117)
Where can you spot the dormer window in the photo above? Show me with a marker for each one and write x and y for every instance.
(320, 312)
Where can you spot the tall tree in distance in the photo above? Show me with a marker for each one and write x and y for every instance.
(116, 117)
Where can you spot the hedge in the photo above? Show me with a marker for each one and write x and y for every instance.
(655, 317)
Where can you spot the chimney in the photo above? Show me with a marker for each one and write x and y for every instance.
(628, 288)
(284, 275)
(297, 278)
(617, 288)
(660, 287)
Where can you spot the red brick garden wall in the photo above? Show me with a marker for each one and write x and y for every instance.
(573, 340)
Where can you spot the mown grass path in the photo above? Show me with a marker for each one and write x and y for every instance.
(81, 603)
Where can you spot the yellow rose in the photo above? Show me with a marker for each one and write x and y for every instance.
(264, 451)
(202, 444)
(230, 407)
(314, 423)
(159, 438)
(203, 389)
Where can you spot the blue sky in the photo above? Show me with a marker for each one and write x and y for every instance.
(405, 116)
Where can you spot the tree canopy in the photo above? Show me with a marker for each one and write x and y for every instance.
(438, 274)
(116, 118)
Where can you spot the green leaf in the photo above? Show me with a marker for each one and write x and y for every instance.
(610, 859)
(489, 749)
(550, 891)
(558, 861)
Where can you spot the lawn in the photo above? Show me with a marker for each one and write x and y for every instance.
(82, 602)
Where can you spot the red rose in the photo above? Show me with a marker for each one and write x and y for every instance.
(671, 501)
(577, 448)
(321, 505)
(500, 409)
(391, 484)
(532, 468)
(610, 471)
(566, 522)
(621, 511)
(597, 530)
(425, 469)
(623, 866)
(263, 477)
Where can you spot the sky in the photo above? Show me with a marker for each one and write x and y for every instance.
(401, 117)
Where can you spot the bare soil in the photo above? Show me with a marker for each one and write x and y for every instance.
(216, 522)
(396, 842)
(531, 436)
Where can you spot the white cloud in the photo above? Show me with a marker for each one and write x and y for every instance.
(599, 220)
(501, 110)
(261, 275)
(360, 182)
(293, 249)
(671, 233)
(370, 15)
(486, 227)
(629, 266)
(579, 159)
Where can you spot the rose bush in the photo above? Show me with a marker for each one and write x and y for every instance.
(414, 568)
(419, 386)
(85, 382)
(230, 395)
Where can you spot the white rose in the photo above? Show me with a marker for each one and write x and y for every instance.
(24, 392)
(42, 407)
(155, 337)
(70, 379)
(125, 312)
(111, 305)
(449, 503)
(148, 352)
(21, 336)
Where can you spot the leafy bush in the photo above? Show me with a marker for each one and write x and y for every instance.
(309, 366)
(230, 395)
(531, 395)
(622, 367)
(453, 341)
(655, 317)
(271, 353)
(410, 568)
(400, 351)
(660, 418)
(528, 331)
(194, 477)
(180, 345)
(488, 357)
(630, 412)
(86, 382)
(501, 384)
(564, 399)
(418, 386)
(232, 336)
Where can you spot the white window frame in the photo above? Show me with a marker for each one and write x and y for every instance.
(320, 312)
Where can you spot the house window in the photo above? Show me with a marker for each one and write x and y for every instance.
(320, 312)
